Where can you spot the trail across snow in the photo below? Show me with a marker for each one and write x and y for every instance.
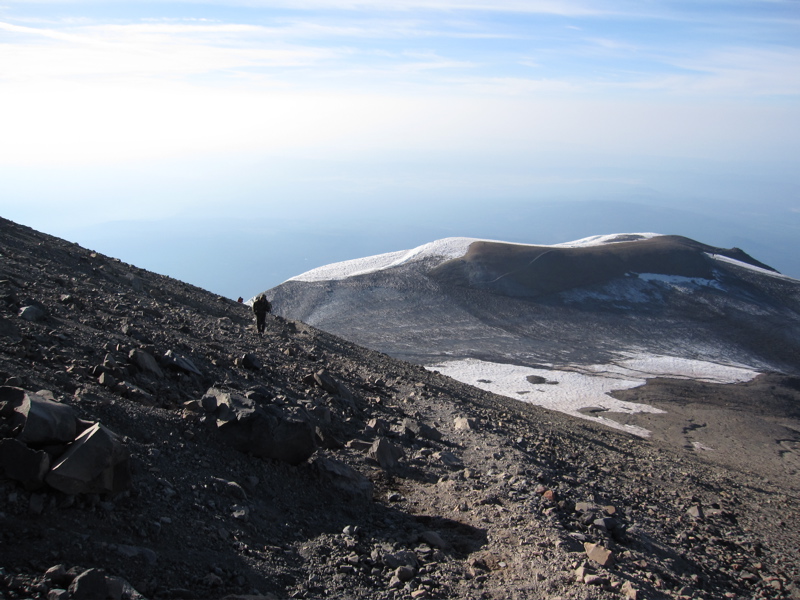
(576, 388)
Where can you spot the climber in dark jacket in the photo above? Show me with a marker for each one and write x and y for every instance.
(261, 307)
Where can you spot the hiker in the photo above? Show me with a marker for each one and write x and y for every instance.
(261, 307)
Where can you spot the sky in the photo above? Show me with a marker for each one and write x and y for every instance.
(236, 143)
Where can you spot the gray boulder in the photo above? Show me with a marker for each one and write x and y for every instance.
(386, 453)
(180, 363)
(145, 362)
(89, 585)
(326, 381)
(35, 420)
(250, 361)
(32, 313)
(96, 462)
(415, 429)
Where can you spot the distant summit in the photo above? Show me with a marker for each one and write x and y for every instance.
(649, 250)
(667, 304)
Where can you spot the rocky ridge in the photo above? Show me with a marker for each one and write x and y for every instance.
(298, 465)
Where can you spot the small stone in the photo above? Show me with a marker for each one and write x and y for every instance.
(463, 423)
(404, 573)
(606, 523)
(599, 554)
(581, 573)
(695, 512)
(242, 513)
(630, 592)
(250, 361)
(106, 380)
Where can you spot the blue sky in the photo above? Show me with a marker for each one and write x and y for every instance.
(234, 144)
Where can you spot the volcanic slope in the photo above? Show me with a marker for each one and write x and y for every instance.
(584, 303)
(589, 328)
(414, 485)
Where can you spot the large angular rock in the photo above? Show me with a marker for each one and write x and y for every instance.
(32, 313)
(89, 585)
(251, 362)
(415, 429)
(227, 406)
(35, 420)
(344, 478)
(96, 462)
(145, 362)
(20, 463)
(181, 363)
(326, 381)
(265, 432)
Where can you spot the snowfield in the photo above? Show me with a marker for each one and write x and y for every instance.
(579, 389)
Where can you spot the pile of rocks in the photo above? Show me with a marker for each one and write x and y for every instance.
(43, 442)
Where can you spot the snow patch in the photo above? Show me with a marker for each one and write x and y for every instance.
(612, 238)
(678, 281)
(577, 388)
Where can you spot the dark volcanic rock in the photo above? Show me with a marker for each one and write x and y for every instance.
(496, 505)
(266, 433)
(96, 462)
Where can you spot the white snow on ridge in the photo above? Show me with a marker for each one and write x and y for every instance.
(446, 249)
(571, 389)
(611, 238)
(750, 267)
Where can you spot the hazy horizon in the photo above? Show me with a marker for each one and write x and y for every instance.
(236, 143)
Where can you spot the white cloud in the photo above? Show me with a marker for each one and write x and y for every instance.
(556, 7)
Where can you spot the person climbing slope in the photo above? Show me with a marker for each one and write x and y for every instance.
(261, 307)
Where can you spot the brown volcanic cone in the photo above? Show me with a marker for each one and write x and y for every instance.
(536, 271)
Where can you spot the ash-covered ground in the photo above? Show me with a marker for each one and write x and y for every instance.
(370, 477)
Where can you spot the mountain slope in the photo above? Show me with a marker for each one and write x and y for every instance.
(559, 305)
(564, 326)
(473, 495)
